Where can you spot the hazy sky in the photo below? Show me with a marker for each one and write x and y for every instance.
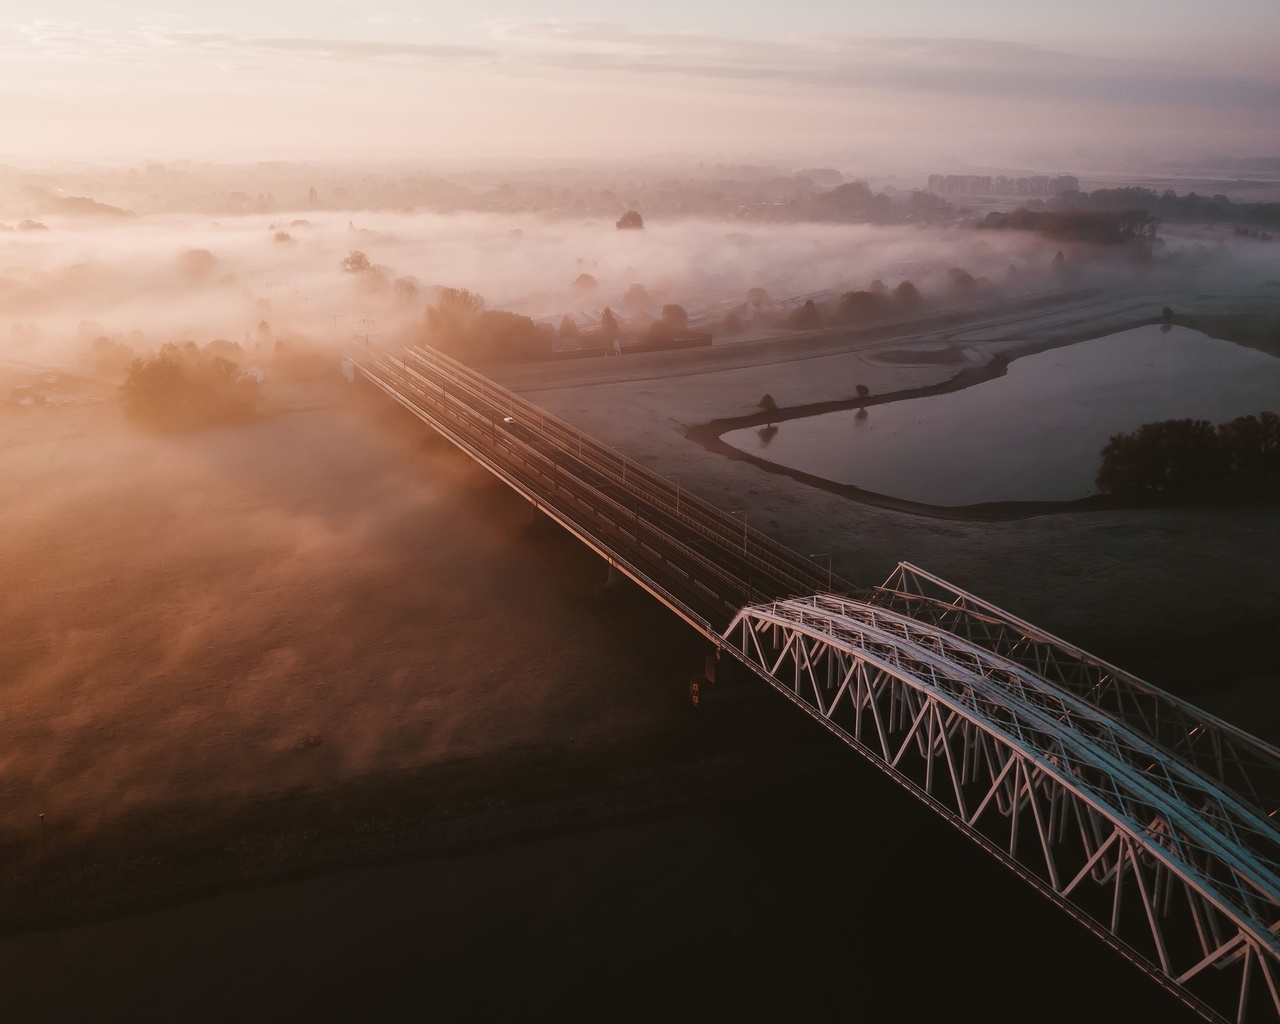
(1035, 83)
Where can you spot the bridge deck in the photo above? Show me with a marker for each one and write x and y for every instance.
(1086, 781)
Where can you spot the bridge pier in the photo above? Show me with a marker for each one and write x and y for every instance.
(614, 585)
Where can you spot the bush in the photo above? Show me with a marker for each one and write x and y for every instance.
(630, 221)
(184, 388)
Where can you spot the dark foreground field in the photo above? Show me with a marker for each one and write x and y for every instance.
(322, 728)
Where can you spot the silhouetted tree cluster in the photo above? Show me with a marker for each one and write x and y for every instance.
(458, 323)
(1190, 460)
(853, 202)
(875, 301)
(183, 387)
(630, 221)
(1096, 227)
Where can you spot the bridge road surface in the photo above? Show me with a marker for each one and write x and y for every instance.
(1085, 781)
(702, 562)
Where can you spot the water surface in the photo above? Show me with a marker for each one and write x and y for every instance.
(1034, 434)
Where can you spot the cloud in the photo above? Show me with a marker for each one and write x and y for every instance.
(965, 68)
(336, 49)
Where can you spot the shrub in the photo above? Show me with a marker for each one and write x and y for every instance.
(630, 221)
(184, 388)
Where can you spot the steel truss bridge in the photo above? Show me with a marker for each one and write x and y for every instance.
(1151, 822)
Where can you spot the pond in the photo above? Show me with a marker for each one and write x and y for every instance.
(1034, 434)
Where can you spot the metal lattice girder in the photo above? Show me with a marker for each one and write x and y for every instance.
(1180, 874)
(1218, 750)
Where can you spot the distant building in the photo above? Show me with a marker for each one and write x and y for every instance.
(986, 184)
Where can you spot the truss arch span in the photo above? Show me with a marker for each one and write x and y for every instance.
(1181, 875)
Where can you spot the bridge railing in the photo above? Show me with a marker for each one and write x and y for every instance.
(1219, 751)
(804, 575)
(707, 580)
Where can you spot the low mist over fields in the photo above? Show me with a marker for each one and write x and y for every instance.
(193, 263)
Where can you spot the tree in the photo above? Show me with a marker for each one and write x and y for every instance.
(584, 284)
(405, 288)
(1173, 459)
(674, 317)
(451, 319)
(458, 323)
(356, 262)
(767, 403)
(961, 280)
(184, 388)
(636, 299)
(630, 221)
(569, 329)
(862, 390)
(608, 326)
(907, 295)
(806, 318)
(197, 265)
(859, 305)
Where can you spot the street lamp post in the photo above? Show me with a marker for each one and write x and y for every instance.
(827, 556)
(742, 512)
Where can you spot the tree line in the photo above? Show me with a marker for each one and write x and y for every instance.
(1170, 206)
(1193, 460)
(1096, 227)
